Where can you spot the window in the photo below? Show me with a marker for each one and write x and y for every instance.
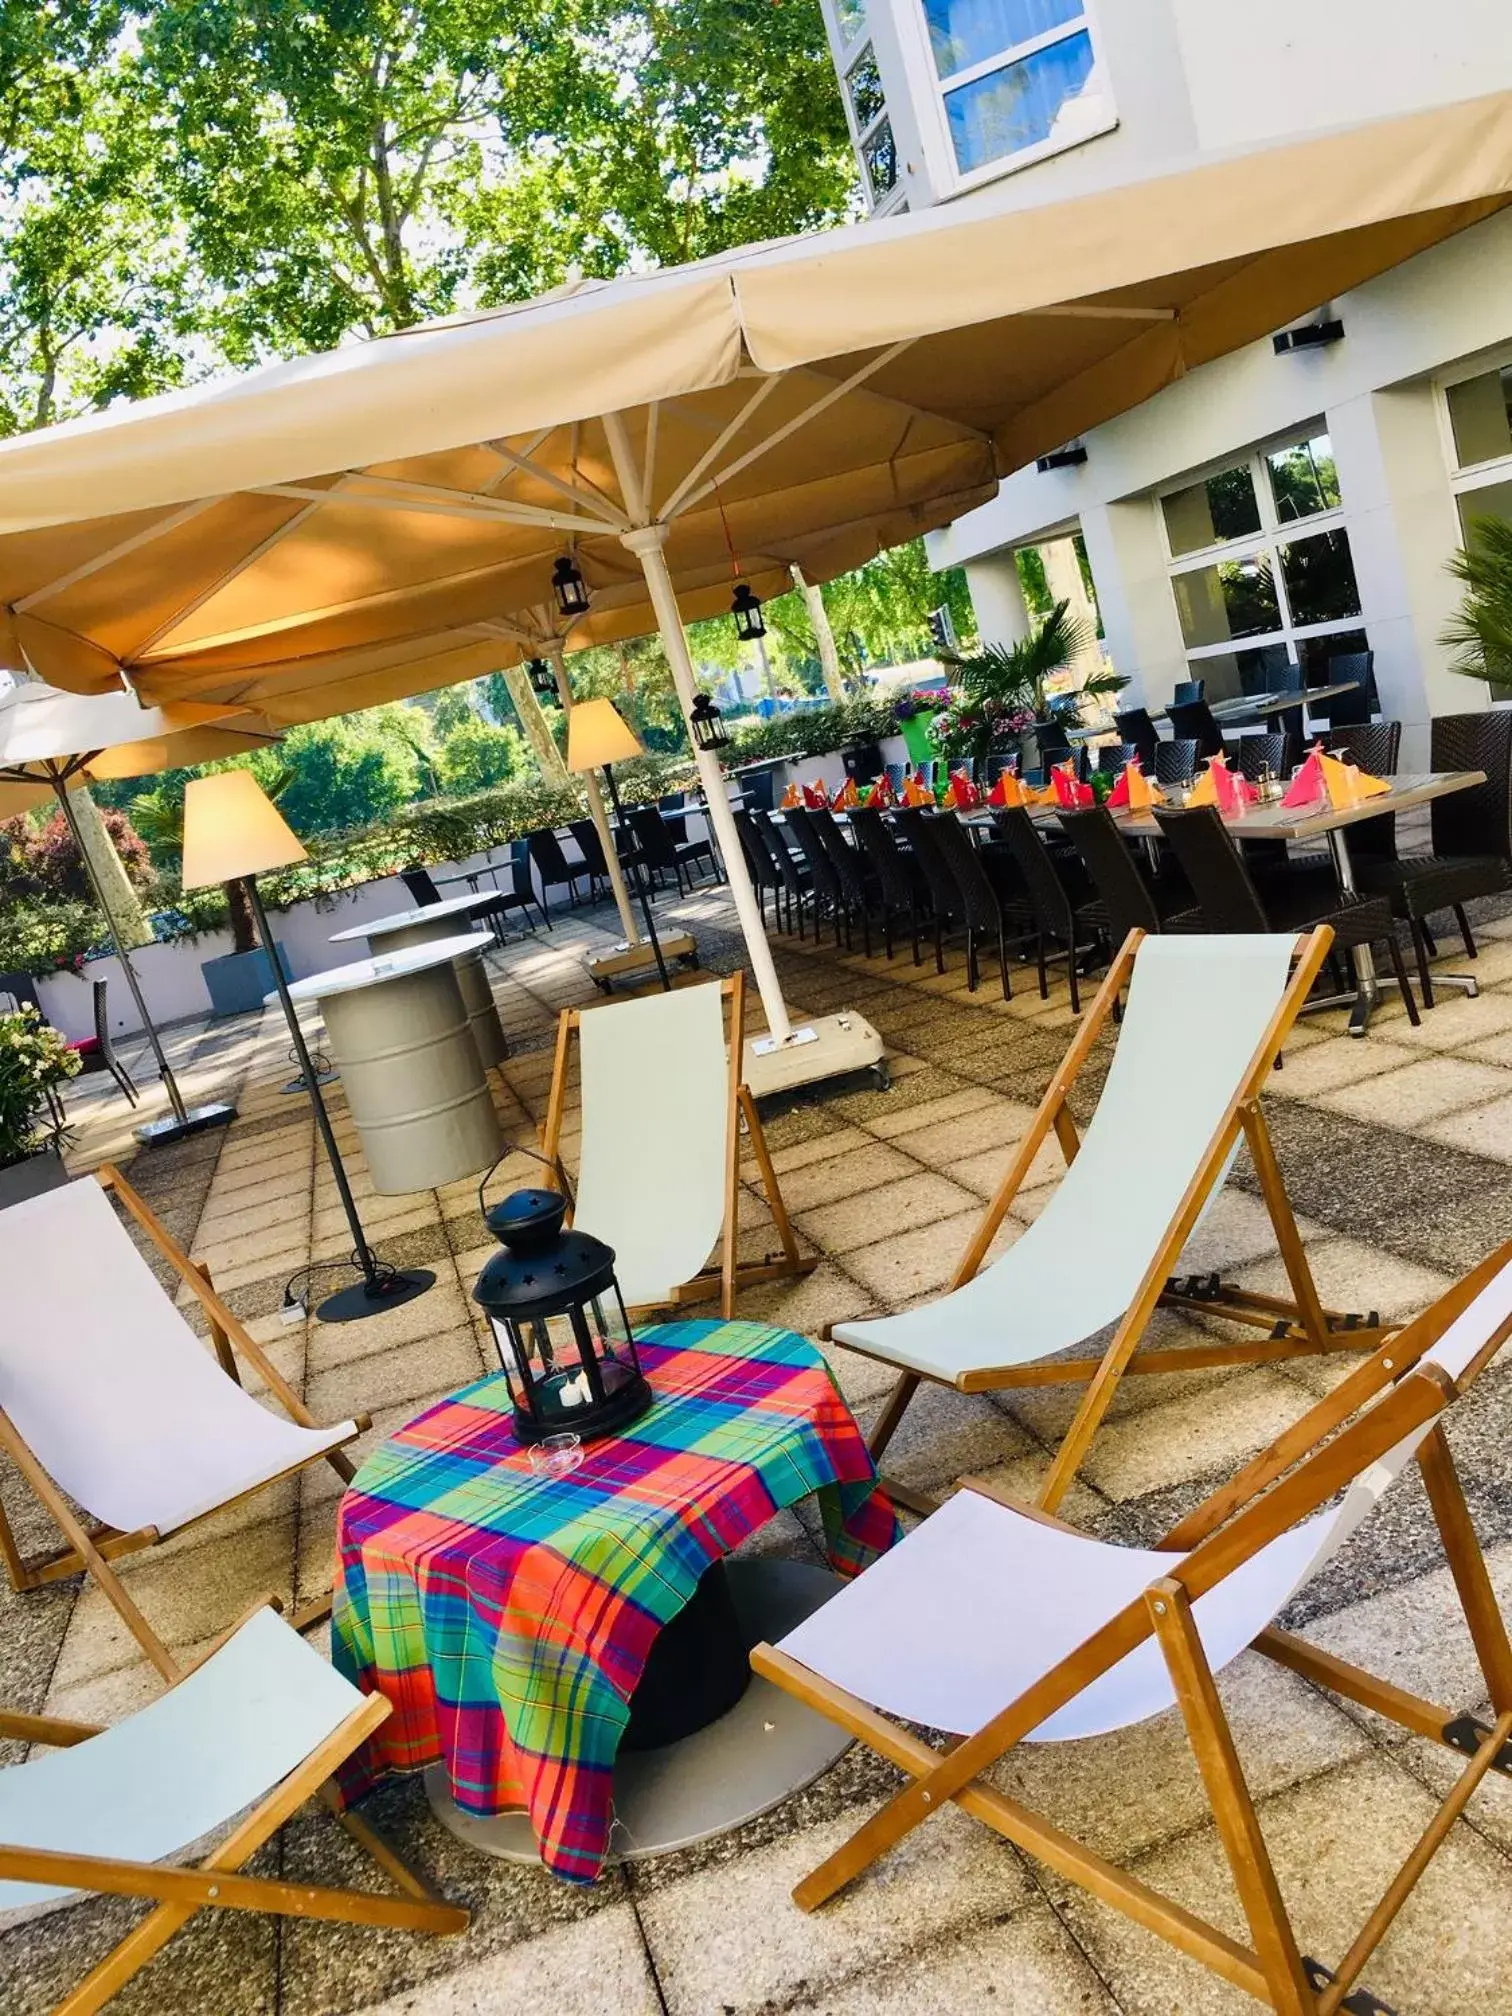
(866, 104)
(879, 157)
(864, 84)
(850, 19)
(1260, 559)
(1016, 77)
(1480, 417)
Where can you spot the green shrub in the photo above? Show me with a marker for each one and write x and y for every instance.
(813, 731)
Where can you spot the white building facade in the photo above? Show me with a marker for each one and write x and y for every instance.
(1303, 503)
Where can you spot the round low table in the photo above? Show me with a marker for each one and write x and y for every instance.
(715, 1775)
(415, 1085)
(428, 925)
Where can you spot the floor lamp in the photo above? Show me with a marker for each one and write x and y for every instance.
(598, 737)
(233, 833)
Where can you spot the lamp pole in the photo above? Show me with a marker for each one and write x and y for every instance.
(381, 1287)
(635, 877)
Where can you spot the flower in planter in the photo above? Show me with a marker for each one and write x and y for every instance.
(908, 705)
(34, 1060)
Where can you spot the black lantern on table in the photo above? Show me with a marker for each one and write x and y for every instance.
(746, 609)
(551, 1297)
(707, 723)
(571, 588)
(542, 678)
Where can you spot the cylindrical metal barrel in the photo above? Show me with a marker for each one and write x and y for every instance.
(413, 1080)
(472, 978)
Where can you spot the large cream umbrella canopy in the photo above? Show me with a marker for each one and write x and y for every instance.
(344, 529)
(53, 742)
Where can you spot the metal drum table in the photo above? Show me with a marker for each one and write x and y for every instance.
(415, 1085)
(428, 925)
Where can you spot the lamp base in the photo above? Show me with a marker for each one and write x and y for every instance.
(299, 1084)
(350, 1305)
(162, 1132)
(823, 1047)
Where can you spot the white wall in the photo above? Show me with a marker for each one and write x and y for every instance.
(1261, 73)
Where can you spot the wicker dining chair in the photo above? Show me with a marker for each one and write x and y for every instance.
(988, 913)
(1134, 725)
(1113, 758)
(900, 886)
(1230, 900)
(1192, 721)
(947, 911)
(850, 873)
(1062, 905)
(764, 871)
(796, 881)
(1175, 762)
(1259, 754)
(829, 898)
(1129, 900)
(1471, 832)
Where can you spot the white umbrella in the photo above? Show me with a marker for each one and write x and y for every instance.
(51, 743)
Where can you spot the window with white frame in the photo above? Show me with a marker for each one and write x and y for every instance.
(865, 103)
(1479, 412)
(1016, 79)
(1261, 569)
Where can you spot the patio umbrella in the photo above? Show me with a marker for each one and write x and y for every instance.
(53, 742)
(349, 528)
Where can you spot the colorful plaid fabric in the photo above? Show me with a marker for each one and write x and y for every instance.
(508, 1617)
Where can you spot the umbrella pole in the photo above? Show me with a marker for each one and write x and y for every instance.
(558, 661)
(170, 1083)
(646, 543)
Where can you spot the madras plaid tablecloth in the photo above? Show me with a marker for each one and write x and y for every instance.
(508, 1616)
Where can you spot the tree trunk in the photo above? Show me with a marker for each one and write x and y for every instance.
(533, 721)
(243, 928)
(125, 905)
(829, 657)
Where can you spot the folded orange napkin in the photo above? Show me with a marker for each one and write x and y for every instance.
(915, 791)
(847, 798)
(880, 795)
(1347, 785)
(1134, 791)
(791, 797)
(1007, 790)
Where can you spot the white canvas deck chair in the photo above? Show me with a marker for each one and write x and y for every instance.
(1002, 1625)
(242, 1741)
(109, 1400)
(1204, 1020)
(659, 1171)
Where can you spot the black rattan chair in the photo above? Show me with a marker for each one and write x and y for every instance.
(1175, 762)
(1062, 905)
(763, 869)
(102, 1057)
(1352, 710)
(1114, 757)
(917, 826)
(795, 876)
(1230, 900)
(553, 867)
(1129, 900)
(987, 912)
(1259, 754)
(1134, 725)
(1187, 690)
(660, 854)
(829, 898)
(898, 879)
(1192, 721)
(849, 865)
(1471, 830)
(421, 884)
(591, 847)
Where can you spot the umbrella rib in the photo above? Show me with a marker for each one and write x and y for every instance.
(481, 510)
(673, 504)
(614, 518)
(112, 553)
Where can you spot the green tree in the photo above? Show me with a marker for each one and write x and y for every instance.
(477, 755)
(879, 613)
(1481, 633)
(347, 772)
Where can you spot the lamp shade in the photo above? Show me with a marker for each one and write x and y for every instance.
(597, 734)
(232, 828)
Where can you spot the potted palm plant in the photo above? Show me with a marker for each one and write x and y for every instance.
(34, 1061)
(1003, 690)
(1481, 632)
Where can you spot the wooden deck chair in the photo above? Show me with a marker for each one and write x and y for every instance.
(243, 1740)
(1002, 1625)
(659, 1173)
(1203, 1023)
(109, 1402)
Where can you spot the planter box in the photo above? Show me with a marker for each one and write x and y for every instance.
(238, 982)
(39, 1172)
(916, 739)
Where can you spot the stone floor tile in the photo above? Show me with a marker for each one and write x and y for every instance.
(1193, 1437)
(1457, 1019)
(853, 1170)
(1342, 1060)
(914, 1263)
(1026, 1966)
(599, 1963)
(943, 1106)
(1484, 1129)
(1417, 1093)
(386, 1377)
(919, 1200)
(944, 1878)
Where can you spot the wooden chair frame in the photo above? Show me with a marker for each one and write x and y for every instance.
(1292, 1328)
(1284, 1485)
(92, 1548)
(731, 1274)
(179, 1891)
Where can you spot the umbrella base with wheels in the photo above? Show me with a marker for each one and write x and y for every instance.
(822, 1047)
(389, 1291)
(638, 962)
(168, 1128)
(758, 1753)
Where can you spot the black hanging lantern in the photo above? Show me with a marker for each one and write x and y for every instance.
(551, 1297)
(571, 588)
(542, 678)
(707, 723)
(746, 609)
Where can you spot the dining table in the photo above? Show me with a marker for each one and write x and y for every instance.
(428, 924)
(1244, 708)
